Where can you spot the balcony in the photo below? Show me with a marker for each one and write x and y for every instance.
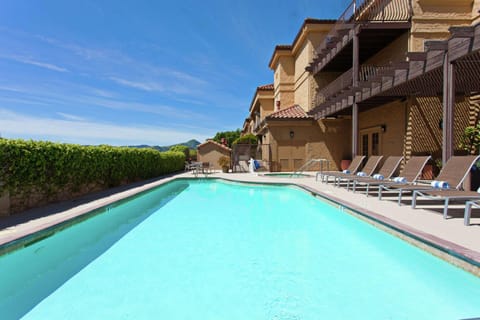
(375, 22)
(420, 75)
(343, 84)
(335, 87)
(258, 127)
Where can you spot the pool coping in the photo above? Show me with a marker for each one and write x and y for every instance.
(283, 175)
(458, 255)
(63, 219)
(25, 234)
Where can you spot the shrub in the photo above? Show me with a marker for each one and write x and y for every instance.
(470, 139)
(53, 167)
(246, 139)
(193, 154)
(181, 148)
(224, 161)
(229, 136)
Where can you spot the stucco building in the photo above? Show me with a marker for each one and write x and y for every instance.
(385, 78)
(210, 151)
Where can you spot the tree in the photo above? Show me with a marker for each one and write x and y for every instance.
(193, 154)
(181, 148)
(229, 136)
(246, 139)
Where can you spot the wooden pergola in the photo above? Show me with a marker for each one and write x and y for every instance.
(365, 28)
(446, 68)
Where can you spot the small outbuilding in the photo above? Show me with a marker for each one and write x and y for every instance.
(210, 151)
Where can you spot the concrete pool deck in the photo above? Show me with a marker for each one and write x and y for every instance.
(427, 225)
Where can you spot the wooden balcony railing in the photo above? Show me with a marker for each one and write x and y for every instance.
(336, 86)
(367, 72)
(345, 81)
(258, 125)
(383, 10)
(360, 11)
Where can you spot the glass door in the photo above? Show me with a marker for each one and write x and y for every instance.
(370, 142)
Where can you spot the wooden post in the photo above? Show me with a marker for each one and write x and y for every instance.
(355, 70)
(448, 108)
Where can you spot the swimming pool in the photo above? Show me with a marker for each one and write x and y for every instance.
(206, 249)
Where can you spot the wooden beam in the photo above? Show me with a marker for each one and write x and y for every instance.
(476, 38)
(448, 105)
(355, 70)
(386, 25)
(435, 54)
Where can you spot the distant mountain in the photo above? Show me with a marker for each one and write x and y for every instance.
(192, 144)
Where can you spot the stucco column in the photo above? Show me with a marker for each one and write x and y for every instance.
(448, 108)
(355, 69)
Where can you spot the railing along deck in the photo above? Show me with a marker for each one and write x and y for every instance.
(345, 81)
(361, 11)
(258, 125)
(383, 10)
(342, 82)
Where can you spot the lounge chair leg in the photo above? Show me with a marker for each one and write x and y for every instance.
(368, 187)
(414, 199)
(400, 197)
(468, 212)
(380, 192)
(445, 209)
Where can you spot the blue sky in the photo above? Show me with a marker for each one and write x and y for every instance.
(138, 72)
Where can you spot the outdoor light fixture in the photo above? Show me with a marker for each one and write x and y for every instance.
(383, 127)
(292, 134)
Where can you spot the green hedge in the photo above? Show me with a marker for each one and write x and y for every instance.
(181, 148)
(53, 166)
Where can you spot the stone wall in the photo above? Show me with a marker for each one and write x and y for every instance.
(27, 198)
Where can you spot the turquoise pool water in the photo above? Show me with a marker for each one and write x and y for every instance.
(214, 250)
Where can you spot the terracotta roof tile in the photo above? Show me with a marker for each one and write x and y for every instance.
(266, 87)
(215, 143)
(293, 112)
